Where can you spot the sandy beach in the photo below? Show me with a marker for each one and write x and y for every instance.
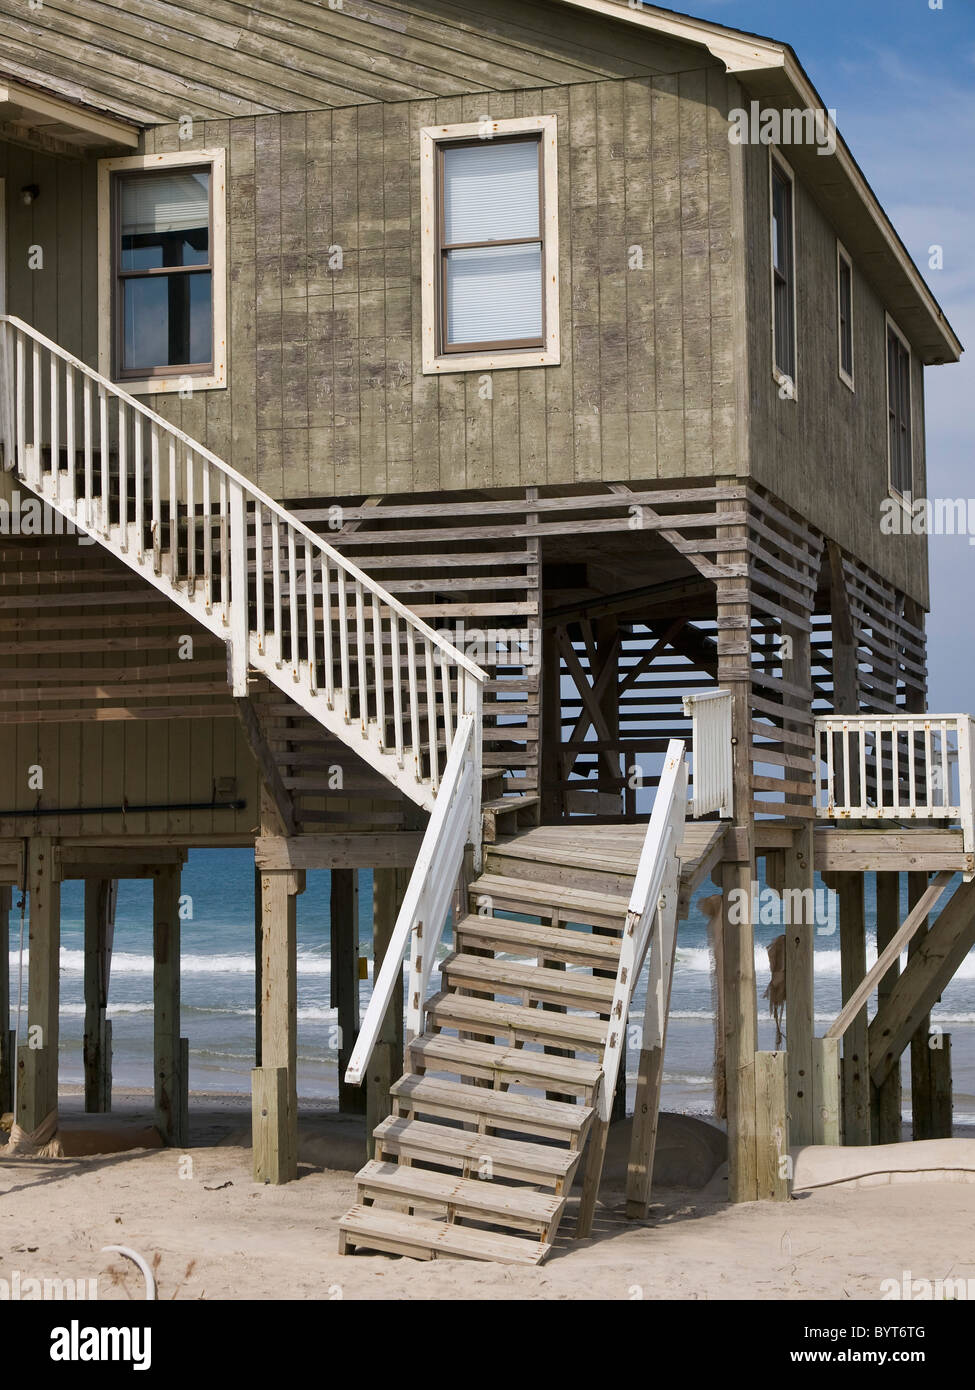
(212, 1233)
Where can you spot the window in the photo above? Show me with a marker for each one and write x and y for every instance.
(162, 287)
(844, 313)
(490, 245)
(783, 275)
(900, 452)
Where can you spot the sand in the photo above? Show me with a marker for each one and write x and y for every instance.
(212, 1233)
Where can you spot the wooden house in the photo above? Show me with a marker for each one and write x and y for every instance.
(419, 421)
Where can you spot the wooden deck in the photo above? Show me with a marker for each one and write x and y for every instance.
(597, 853)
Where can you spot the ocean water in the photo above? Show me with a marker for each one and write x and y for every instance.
(218, 1013)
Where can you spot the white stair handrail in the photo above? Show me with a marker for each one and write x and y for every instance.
(658, 860)
(427, 900)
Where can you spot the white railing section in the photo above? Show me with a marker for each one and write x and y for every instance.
(286, 603)
(897, 767)
(654, 898)
(713, 780)
(420, 923)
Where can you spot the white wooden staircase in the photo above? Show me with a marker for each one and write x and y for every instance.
(512, 1065)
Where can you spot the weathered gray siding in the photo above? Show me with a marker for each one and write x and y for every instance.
(326, 393)
(825, 453)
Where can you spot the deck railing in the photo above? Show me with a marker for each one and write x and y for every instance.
(713, 779)
(287, 604)
(897, 767)
(658, 870)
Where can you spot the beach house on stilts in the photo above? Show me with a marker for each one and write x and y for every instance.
(427, 430)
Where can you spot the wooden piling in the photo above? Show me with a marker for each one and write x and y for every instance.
(886, 1124)
(344, 937)
(37, 1091)
(773, 1169)
(853, 966)
(827, 1110)
(741, 1032)
(100, 898)
(922, 1100)
(800, 935)
(171, 1085)
(7, 1059)
(939, 1060)
(275, 1118)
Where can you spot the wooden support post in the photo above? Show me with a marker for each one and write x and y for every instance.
(853, 967)
(171, 1083)
(275, 1151)
(741, 1030)
(939, 1060)
(826, 1090)
(800, 935)
(886, 1122)
(921, 1096)
(592, 1170)
(646, 1107)
(7, 1059)
(275, 1113)
(550, 769)
(344, 935)
(772, 1126)
(100, 899)
(37, 1090)
(738, 874)
(258, 962)
(386, 1063)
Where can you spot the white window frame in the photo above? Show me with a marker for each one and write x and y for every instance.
(155, 385)
(905, 498)
(549, 355)
(780, 377)
(847, 377)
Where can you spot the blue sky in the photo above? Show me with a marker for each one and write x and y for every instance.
(902, 79)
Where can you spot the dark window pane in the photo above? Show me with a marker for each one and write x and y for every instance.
(164, 219)
(846, 317)
(166, 321)
(783, 276)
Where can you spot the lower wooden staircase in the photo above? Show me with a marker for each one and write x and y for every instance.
(501, 1104)
(490, 1121)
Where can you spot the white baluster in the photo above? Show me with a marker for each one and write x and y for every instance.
(190, 525)
(431, 685)
(259, 573)
(155, 486)
(276, 590)
(206, 534)
(343, 614)
(293, 603)
(89, 479)
(377, 662)
(138, 465)
(224, 551)
(34, 476)
(360, 646)
(173, 516)
(55, 429)
(394, 657)
(414, 702)
(69, 423)
(328, 656)
(104, 440)
(310, 619)
(123, 475)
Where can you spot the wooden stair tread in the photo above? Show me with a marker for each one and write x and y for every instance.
(466, 1194)
(376, 1228)
(515, 1065)
(547, 895)
(510, 977)
(514, 1158)
(529, 937)
(614, 862)
(487, 1016)
(495, 1106)
(510, 803)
